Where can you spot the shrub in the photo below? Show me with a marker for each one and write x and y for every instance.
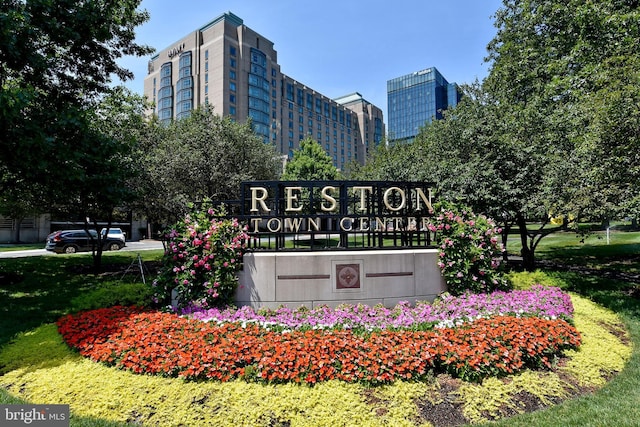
(203, 255)
(469, 250)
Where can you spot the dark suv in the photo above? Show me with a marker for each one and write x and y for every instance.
(72, 241)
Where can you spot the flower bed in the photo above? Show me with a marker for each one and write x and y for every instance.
(539, 301)
(490, 344)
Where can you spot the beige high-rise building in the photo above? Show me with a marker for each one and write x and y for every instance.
(230, 67)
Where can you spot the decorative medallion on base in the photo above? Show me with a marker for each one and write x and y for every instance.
(347, 276)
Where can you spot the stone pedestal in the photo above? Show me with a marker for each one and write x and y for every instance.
(293, 279)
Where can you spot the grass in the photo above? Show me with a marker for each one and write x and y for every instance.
(621, 252)
(11, 247)
(37, 291)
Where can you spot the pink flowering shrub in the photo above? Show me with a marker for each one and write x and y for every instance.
(202, 257)
(469, 250)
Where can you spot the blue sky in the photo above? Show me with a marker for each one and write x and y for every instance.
(340, 47)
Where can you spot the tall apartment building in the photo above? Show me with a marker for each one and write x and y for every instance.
(235, 70)
(415, 99)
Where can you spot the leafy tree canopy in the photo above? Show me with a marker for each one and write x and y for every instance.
(56, 59)
(310, 163)
(581, 60)
(200, 157)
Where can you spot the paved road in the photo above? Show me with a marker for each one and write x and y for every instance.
(142, 245)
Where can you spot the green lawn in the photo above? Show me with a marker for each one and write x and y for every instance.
(9, 247)
(39, 290)
(621, 251)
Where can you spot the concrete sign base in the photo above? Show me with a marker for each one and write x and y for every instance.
(311, 279)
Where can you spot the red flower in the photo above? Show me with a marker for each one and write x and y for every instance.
(161, 343)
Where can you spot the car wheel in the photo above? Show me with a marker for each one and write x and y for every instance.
(70, 249)
(114, 246)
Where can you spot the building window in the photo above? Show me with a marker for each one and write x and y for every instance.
(232, 111)
(232, 50)
(232, 98)
(165, 70)
(206, 54)
(290, 95)
(299, 96)
(232, 86)
(233, 63)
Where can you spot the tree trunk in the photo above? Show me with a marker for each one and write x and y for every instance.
(16, 230)
(505, 238)
(97, 258)
(528, 254)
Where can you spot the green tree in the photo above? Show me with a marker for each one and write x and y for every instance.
(56, 58)
(581, 58)
(390, 163)
(203, 156)
(100, 181)
(483, 156)
(571, 67)
(310, 163)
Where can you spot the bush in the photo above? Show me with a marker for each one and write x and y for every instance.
(469, 250)
(203, 256)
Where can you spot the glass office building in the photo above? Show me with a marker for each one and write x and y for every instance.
(415, 99)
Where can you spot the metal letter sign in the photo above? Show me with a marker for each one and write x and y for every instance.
(352, 214)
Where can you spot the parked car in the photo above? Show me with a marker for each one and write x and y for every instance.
(116, 233)
(72, 241)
